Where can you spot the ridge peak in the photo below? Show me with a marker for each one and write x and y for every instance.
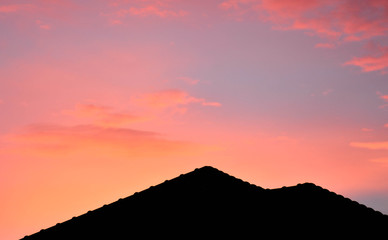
(207, 168)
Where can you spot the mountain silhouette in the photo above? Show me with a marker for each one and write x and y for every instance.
(209, 203)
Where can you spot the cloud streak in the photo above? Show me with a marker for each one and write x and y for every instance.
(171, 98)
(152, 10)
(336, 21)
(102, 115)
(91, 141)
(378, 62)
(12, 8)
(189, 80)
(383, 160)
(370, 145)
(147, 8)
(384, 97)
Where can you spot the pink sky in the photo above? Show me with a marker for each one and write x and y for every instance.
(101, 99)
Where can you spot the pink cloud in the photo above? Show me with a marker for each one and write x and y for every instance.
(213, 104)
(92, 142)
(327, 92)
(87, 110)
(116, 22)
(231, 4)
(239, 9)
(370, 145)
(103, 116)
(162, 9)
(342, 20)
(371, 63)
(153, 10)
(366, 129)
(384, 97)
(324, 45)
(383, 160)
(14, 8)
(171, 98)
(189, 80)
(338, 21)
(386, 125)
(56, 165)
(50, 10)
(166, 98)
(43, 25)
(383, 106)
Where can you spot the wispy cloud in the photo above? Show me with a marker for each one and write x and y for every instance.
(14, 8)
(43, 13)
(383, 160)
(325, 45)
(189, 80)
(327, 92)
(91, 141)
(336, 21)
(370, 145)
(152, 10)
(367, 129)
(212, 104)
(115, 22)
(170, 99)
(341, 20)
(162, 9)
(102, 115)
(43, 25)
(384, 97)
(377, 62)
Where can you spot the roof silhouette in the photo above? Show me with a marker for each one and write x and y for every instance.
(208, 202)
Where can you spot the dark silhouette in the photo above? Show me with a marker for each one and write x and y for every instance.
(211, 204)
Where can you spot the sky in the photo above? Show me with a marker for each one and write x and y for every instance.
(101, 99)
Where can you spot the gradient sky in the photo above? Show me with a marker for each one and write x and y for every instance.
(100, 99)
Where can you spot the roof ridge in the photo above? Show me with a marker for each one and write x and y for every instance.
(217, 181)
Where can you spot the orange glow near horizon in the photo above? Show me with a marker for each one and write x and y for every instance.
(100, 100)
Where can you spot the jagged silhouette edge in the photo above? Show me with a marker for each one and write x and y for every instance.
(217, 171)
